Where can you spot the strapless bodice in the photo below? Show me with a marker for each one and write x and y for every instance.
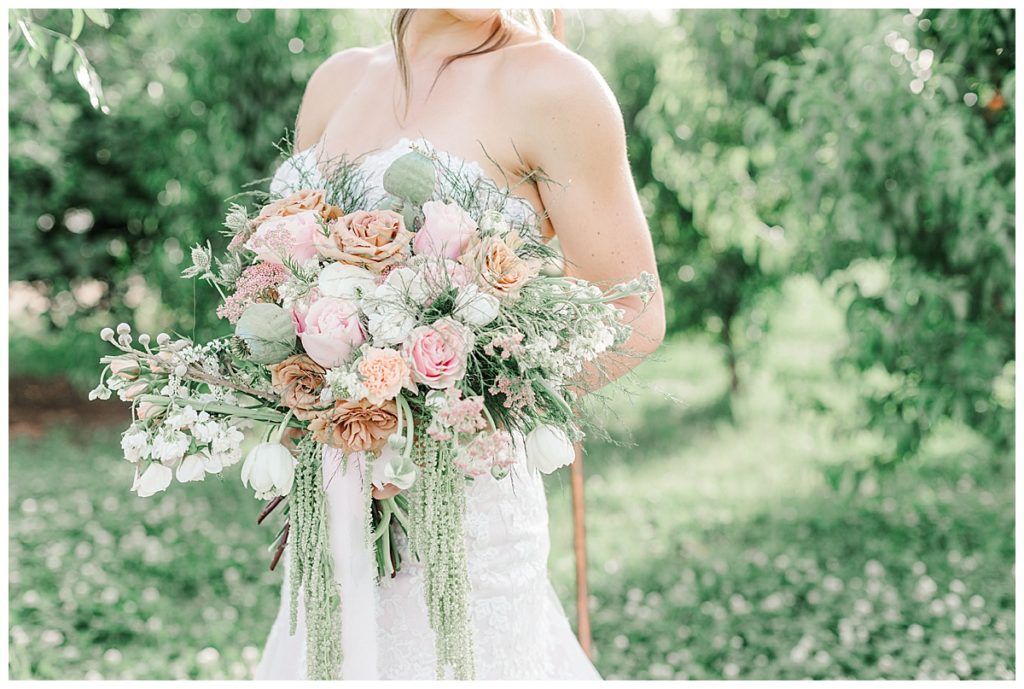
(303, 170)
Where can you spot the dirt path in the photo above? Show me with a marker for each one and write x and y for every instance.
(35, 404)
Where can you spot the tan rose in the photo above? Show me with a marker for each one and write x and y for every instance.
(298, 380)
(300, 202)
(373, 240)
(355, 426)
(495, 266)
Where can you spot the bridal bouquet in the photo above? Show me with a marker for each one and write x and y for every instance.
(422, 336)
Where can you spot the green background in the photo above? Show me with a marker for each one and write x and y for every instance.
(814, 478)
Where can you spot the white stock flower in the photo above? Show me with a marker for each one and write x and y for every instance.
(346, 282)
(135, 444)
(170, 445)
(154, 479)
(548, 448)
(186, 416)
(269, 469)
(225, 448)
(475, 308)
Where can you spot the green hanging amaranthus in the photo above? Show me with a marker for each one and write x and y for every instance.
(438, 539)
(311, 566)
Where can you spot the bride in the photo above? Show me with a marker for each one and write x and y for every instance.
(498, 97)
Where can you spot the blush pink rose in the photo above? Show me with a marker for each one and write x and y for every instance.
(329, 329)
(288, 236)
(384, 373)
(446, 230)
(437, 352)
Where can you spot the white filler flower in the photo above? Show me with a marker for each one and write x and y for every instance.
(269, 469)
(548, 448)
(153, 480)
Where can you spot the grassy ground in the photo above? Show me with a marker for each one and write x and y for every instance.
(716, 549)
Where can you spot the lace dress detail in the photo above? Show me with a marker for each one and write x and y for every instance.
(520, 630)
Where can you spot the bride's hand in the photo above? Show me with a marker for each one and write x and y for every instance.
(389, 490)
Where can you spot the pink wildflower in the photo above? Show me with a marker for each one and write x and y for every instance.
(258, 282)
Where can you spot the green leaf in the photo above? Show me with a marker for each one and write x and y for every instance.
(77, 23)
(98, 17)
(62, 54)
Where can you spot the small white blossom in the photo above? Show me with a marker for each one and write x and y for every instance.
(135, 444)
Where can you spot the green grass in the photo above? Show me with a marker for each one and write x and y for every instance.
(716, 549)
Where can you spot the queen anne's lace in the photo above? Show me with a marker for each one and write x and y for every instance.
(520, 630)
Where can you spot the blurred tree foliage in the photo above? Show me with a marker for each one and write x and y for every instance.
(871, 149)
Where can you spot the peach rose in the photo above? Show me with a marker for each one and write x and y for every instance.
(300, 202)
(374, 240)
(384, 373)
(495, 265)
(437, 352)
(355, 426)
(298, 380)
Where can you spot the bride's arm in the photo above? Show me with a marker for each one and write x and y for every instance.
(577, 136)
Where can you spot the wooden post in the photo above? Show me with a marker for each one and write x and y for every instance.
(579, 511)
(580, 543)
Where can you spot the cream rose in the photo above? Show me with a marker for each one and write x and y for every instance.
(373, 240)
(493, 262)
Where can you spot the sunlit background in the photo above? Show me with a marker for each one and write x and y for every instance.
(813, 479)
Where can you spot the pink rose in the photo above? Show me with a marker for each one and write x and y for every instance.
(446, 230)
(288, 236)
(329, 329)
(384, 373)
(437, 353)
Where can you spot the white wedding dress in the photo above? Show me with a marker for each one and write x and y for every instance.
(520, 630)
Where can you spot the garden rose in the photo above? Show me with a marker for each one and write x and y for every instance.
(298, 380)
(300, 202)
(346, 282)
(437, 353)
(495, 265)
(445, 232)
(384, 373)
(355, 426)
(290, 236)
(373, 239)
(329, 330)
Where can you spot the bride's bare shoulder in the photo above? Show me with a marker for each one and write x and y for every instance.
(328, 84)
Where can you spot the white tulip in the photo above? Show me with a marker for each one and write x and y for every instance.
(269, 469)
(391, 466)
(153, 480)
(548, 448)
(346, 282)
(475, 308)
